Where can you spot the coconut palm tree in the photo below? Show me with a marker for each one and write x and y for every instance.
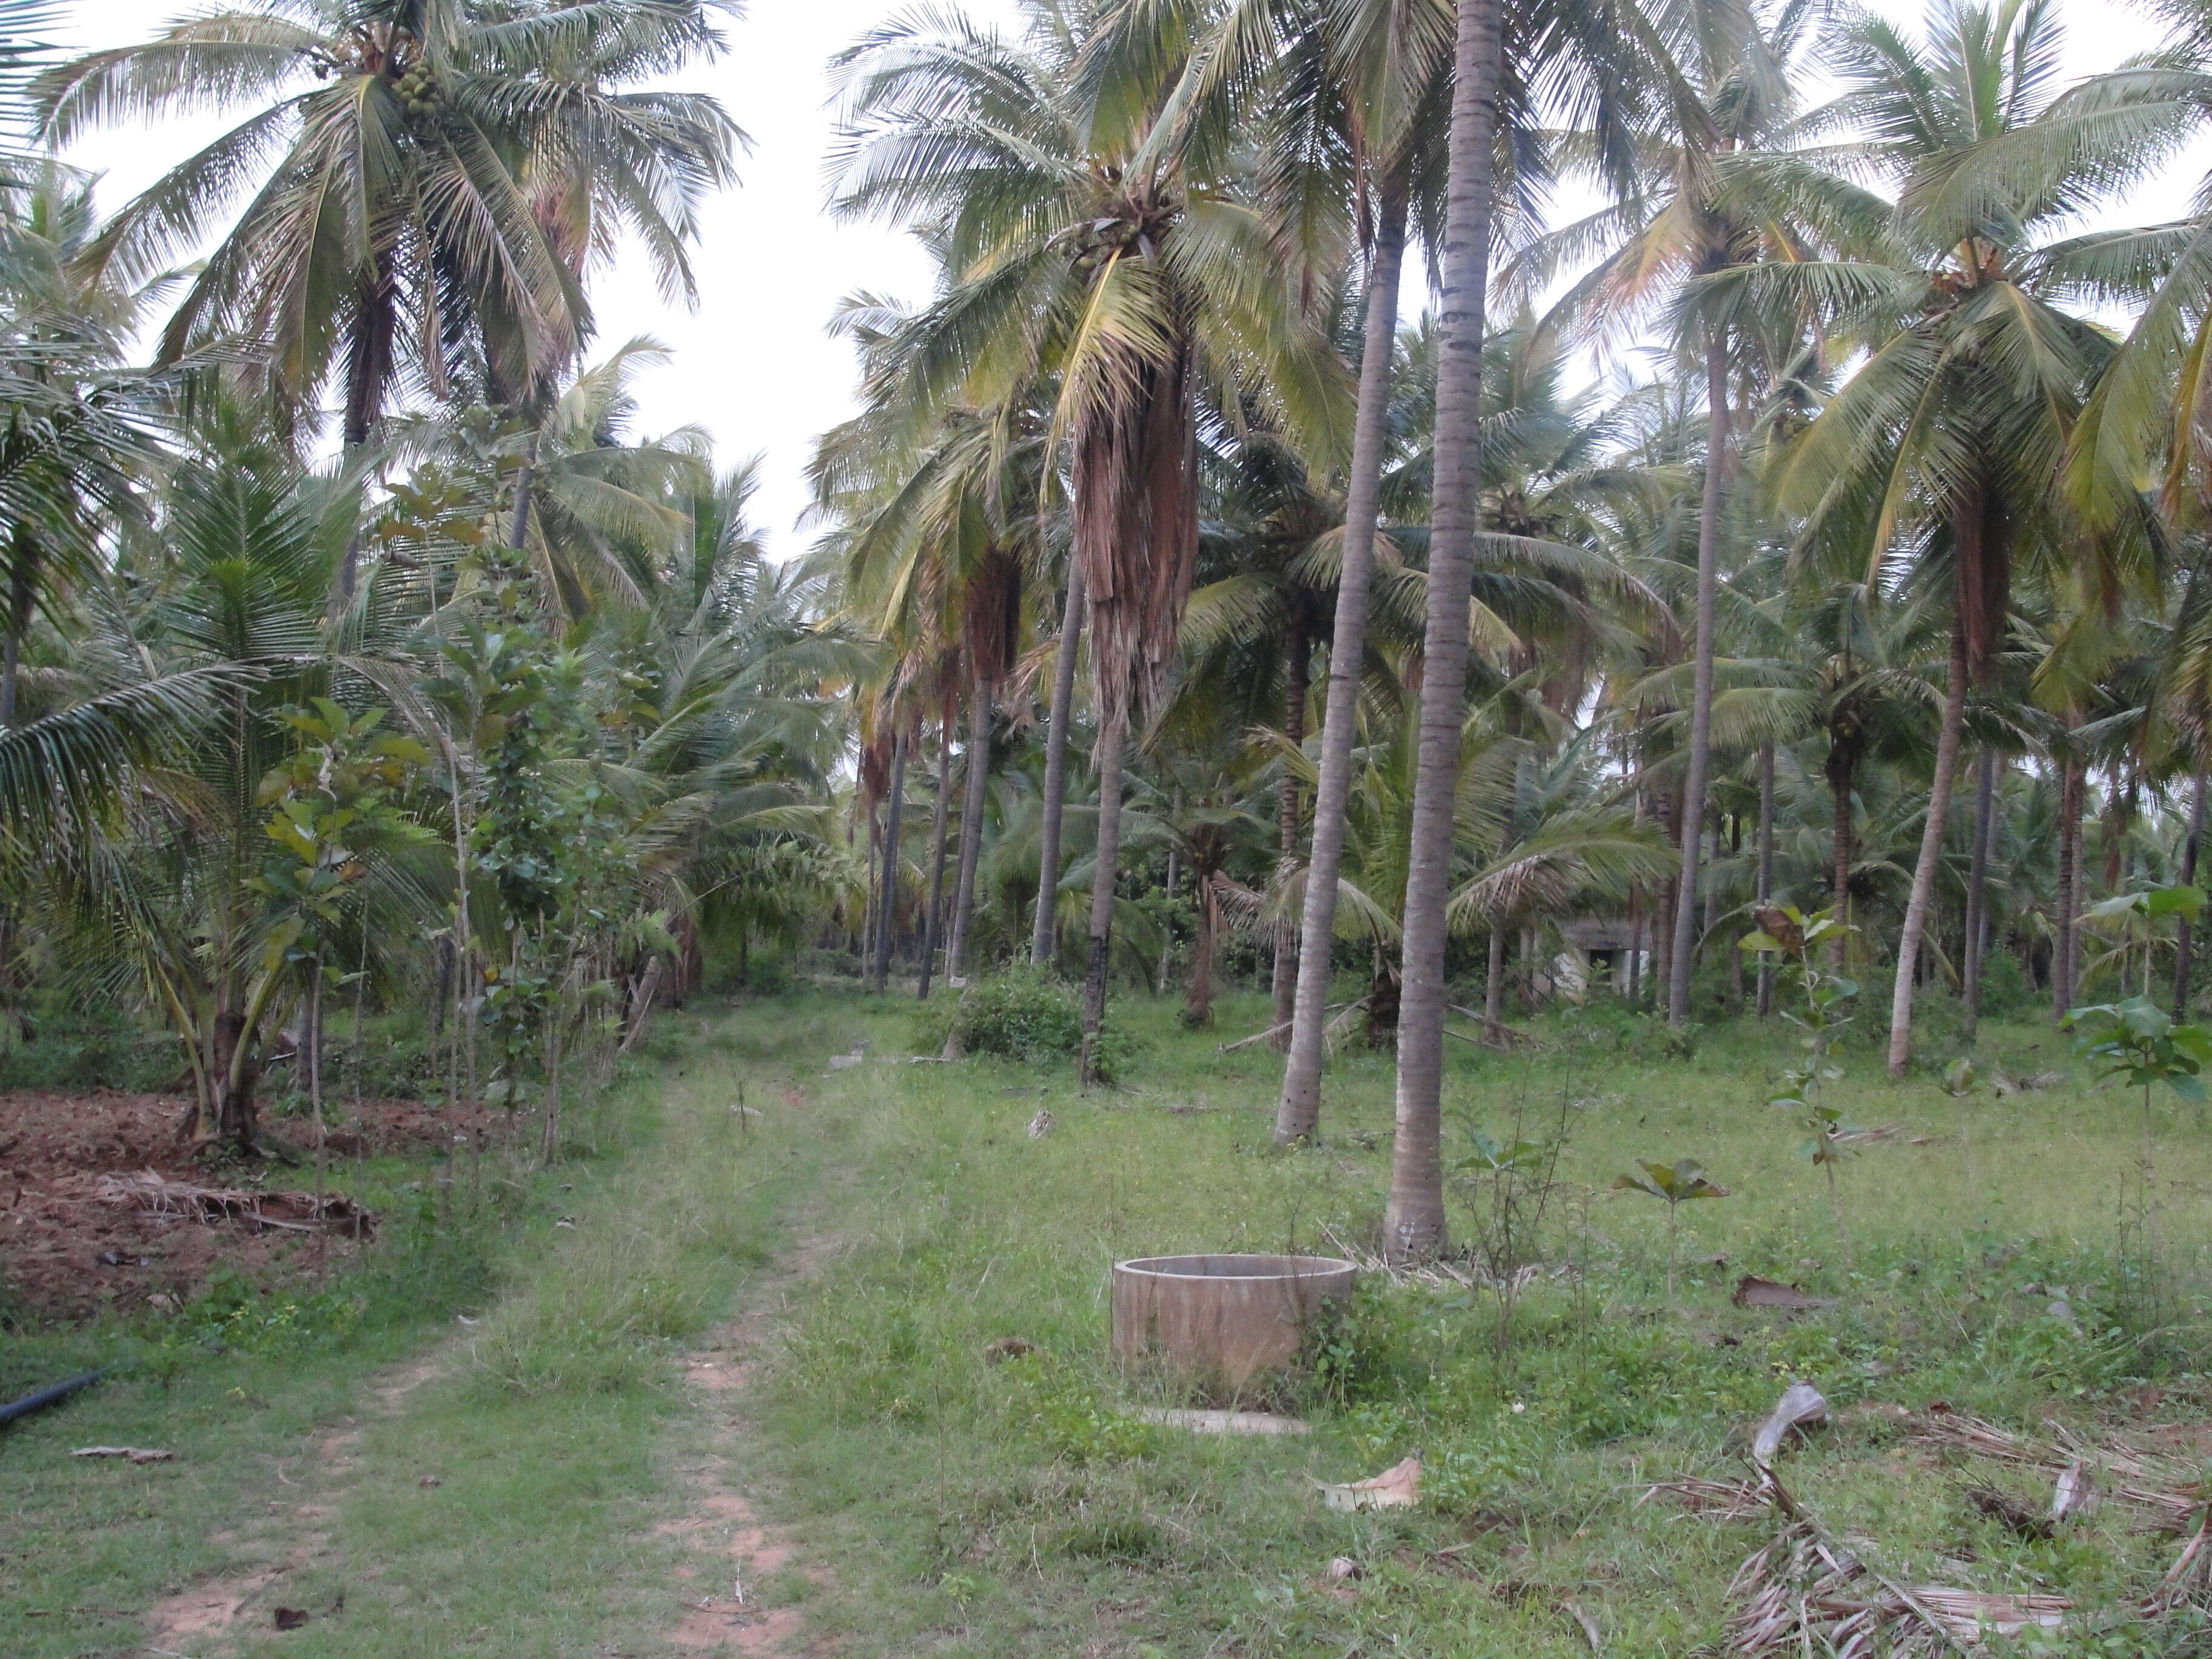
(1705, 204)
(1954, 425)
(430, 181)
(1079, 245)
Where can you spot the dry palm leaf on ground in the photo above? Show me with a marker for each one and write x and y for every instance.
(296, 1212)
(1806, 1593)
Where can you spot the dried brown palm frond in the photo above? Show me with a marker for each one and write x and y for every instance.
(1806, 1593)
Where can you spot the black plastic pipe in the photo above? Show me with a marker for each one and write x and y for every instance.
(45, 1397)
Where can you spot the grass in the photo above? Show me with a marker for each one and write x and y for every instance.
(971, 1507)
(965, 1507)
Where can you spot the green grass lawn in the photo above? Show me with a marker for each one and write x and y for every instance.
(941, 1503)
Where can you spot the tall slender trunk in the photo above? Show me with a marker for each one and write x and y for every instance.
(971, 827)
(1285, 985)
(1765, 868)
(1701, 691)
(933, 920)
(1112, 733)
(1493, 988)
(369, 377)
(1297, 1110)
(887, 920)
(874, 905)
(1931, 855)
(525, 483)
(2069, 876)
(1175, 881)
(1043, 931)
(1413, 1221)
(1843, 769)
(22, 579)
(1198, 1009)
(1635, 981)
(2183, 936)
(1978, 874)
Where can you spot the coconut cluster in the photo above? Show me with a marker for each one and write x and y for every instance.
(418, 90)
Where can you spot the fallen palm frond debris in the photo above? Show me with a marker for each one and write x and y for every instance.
(296, 1212)
(1437, 1273)
(1806, 1592)
(2170, 1493)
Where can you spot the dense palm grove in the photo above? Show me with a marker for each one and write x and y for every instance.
(1292, 541)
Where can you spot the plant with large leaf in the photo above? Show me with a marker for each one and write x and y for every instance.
(1674, 1185)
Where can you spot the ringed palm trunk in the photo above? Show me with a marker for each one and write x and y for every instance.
(1701, 694)
(1413, 1221)
(1111, 735)
(1043, 932)
(1931, 855)
(1765, 867)
(1843, 769)
(1198, 1008)
(2069, 878)
(972, 826)
(1297, 1110)
(1978, 874)
(930, 924)
(2182, 937)
(1493, 988)
(1286, 983)
(369, 376)
(887, 917)
(22, 574)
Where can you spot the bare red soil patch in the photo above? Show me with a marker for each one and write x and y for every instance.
(64, 1255)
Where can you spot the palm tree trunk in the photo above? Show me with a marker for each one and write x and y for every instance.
(1765, 868)
(887, 916)
(931, 924)
(1931, 855)
(2070, 877)
(1493, 988)
(866, 940)
(368, 378)
(22, 576)
(2181, 938)
(1843, 766)
(1111, 734)
(1701, 691)
(1286, 984)
(1198, 1009)
(1175, 880)
(1413, 1221)
(1297, 1111)
(972, 826)
(1977, 872)
(1041, 934)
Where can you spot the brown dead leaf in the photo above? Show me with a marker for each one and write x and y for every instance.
(1753, 1292)
(1398, 1487)
(130, 1454)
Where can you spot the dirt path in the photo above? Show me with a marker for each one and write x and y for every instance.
(730, 1553)
(286, 1537)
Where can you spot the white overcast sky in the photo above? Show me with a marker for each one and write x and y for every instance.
(753, 365)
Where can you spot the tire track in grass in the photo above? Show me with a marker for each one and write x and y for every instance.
(724, 1538)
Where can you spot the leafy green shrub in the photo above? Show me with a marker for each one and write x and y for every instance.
(1064, 1410)
(72, 1049)
(1020, 1013)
